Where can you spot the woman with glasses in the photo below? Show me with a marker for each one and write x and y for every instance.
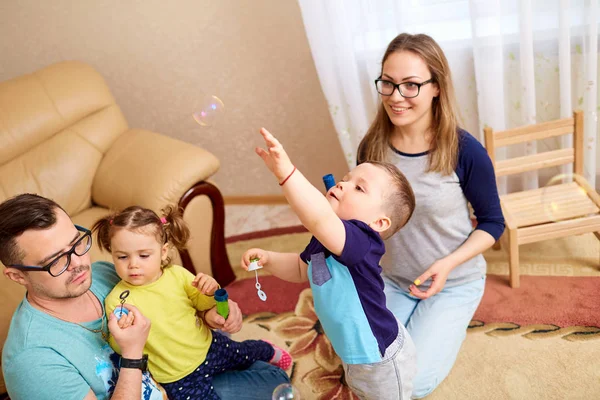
(434, 270)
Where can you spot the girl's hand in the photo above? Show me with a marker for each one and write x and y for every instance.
(252, 254)
(275, 157)
(130, 340)
(205, 283)
(126, 320)
(438, 272)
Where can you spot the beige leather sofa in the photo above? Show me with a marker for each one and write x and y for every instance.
(63, 136)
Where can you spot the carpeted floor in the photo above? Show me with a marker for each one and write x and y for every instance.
(541, 341)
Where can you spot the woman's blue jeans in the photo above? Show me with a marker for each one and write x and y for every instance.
(437, 325)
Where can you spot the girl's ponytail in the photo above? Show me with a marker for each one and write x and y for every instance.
(102, 229)
(175, 227)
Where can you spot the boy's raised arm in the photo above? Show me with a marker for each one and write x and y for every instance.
(308, 202)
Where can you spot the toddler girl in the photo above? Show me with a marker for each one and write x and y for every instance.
(183, 352)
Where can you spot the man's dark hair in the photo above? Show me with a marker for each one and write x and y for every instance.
(19, 214)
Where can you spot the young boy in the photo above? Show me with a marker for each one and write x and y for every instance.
(341, 262)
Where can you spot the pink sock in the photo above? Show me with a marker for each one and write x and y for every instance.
(281, 358)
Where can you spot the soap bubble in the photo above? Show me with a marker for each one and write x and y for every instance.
(209, 110)
(285, 391)
(563, 198)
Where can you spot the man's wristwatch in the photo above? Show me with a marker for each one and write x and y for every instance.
(139, 363)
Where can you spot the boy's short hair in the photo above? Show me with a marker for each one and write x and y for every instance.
(400, 199)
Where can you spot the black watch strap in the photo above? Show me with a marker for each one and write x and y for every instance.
(139, 363)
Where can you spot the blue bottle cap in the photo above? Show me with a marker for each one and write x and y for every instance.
(221, 295)
(119, 312)
(329, 181)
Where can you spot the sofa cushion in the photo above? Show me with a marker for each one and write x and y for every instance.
(54, 132)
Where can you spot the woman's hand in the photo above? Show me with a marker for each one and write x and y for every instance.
(253, 254)
(438, 272)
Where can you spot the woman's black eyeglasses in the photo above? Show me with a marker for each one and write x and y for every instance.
(407, 90)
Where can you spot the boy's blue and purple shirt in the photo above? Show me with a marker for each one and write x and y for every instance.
(348, 295)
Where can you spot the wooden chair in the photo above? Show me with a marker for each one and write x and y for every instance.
(570, 208)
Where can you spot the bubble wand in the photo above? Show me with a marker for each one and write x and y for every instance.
(254, 266)
(120, 311)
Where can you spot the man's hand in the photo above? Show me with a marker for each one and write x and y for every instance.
(132, 339)
(275, 157)
(233, 323)
(249, 255)
(205, 283)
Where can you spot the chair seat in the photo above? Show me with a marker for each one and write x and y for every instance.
(549, 204)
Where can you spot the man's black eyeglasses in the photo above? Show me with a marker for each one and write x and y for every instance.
(407, 90)
(61, 262)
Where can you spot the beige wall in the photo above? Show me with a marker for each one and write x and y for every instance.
(161, 58)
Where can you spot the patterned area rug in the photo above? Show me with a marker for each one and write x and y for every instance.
(541, 341)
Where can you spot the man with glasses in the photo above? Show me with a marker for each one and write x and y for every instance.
(57, 342)
(56, 347)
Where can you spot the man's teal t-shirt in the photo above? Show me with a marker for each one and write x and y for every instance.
(46, 358)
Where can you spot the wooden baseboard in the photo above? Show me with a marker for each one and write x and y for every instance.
(254, 200)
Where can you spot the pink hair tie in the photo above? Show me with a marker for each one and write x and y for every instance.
(110, 222)
(163, 220)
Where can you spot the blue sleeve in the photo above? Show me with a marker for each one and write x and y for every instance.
(360, 239)
(478, 182)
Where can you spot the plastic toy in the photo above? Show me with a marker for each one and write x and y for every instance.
(221, 297)
(120, 311)
(254, 265)
(329, 181)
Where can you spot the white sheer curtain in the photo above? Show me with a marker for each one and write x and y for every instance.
(513, 63)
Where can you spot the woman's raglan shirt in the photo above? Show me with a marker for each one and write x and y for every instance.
(441, 222)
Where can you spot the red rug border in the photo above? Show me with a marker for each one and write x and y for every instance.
(286, 230)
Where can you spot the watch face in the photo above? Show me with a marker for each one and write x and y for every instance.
(145, 363)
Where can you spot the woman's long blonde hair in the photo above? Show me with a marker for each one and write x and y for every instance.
(444, 127)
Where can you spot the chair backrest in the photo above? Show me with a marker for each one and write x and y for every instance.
(529, 133)
(56, 124)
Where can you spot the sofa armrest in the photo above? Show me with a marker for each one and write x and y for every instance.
(220, 267)
(151, 170)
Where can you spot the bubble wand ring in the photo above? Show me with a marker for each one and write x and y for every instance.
(120, 311)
